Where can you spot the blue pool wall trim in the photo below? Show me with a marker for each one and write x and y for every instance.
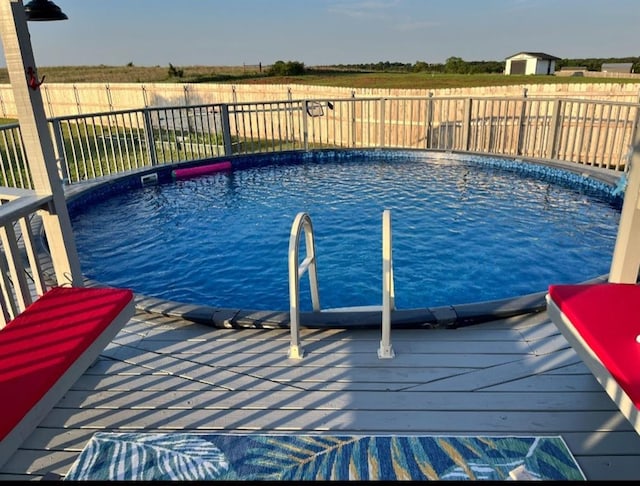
(592, 180)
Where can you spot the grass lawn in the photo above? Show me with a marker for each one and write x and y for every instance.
(316, 77)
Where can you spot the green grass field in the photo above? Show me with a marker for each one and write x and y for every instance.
(317, 77)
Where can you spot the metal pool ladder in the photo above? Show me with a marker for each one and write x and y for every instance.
(302, 222)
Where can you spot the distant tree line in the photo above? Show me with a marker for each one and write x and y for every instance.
(453, 65)
(290, 68)
(596, 64)
(457, 65)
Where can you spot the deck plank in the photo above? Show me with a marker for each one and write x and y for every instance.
(387, 421)
(482, 378)
(243, 360)
(321, 400)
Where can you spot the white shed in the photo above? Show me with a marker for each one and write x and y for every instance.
(530, 63)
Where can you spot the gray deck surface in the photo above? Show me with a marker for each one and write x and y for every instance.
(516, 376)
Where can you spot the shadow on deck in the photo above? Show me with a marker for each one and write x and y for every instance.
(515, 376)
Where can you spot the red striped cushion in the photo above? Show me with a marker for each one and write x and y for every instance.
(40, 344)
(607, 316)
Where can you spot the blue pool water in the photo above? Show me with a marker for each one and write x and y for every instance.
(465, 229)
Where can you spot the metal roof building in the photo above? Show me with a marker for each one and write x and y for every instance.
(530, 63)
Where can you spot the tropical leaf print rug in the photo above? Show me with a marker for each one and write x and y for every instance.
(185, 456)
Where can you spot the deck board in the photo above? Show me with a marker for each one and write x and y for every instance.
(371, 400)
(515, 376)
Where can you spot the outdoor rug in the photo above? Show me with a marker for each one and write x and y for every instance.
(187, 456)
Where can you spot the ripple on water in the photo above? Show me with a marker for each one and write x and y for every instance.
(461, 233)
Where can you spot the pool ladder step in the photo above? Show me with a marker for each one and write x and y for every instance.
(302, 222)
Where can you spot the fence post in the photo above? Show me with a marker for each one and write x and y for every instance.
(149, 137)
(381, 132)
(553, 129)
(466, 124)
(109, 98)
(353, 119)
(226, 130)
(58, 146)
(305, 124)
(48, 97)
(521, 124)
(145, 99)
(289, 126)
(186, 94)
(76, 95)
(428, 121)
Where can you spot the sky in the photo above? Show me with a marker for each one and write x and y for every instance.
(331, 32)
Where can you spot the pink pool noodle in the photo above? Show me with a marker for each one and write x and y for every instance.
(201, 170)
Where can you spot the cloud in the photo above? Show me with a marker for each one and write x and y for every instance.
(366, 9)
(392, 12)
(415, 25)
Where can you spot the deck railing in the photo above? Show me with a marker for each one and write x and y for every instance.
(14, 170)
(594, 133)
(587, 132)
(22, 278)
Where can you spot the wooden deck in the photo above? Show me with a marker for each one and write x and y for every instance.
(516, 376)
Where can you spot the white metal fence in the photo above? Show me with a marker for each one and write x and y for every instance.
(594, 133)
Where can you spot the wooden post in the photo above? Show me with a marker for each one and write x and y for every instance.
(553, 129)
(521, 125)
(625, 263)
(382, 128)
(37, 141)
(466, 123)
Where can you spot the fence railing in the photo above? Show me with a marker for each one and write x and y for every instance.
(22, 277)
(594, 133)
(14, 170)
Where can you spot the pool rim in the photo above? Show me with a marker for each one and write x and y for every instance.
(447, 316)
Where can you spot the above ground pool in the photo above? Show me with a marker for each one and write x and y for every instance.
(465, 229)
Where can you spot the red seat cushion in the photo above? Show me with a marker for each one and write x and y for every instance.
(41, 343)
(607, 316)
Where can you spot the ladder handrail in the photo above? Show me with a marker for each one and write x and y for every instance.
(301, 222)
(388, 292)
